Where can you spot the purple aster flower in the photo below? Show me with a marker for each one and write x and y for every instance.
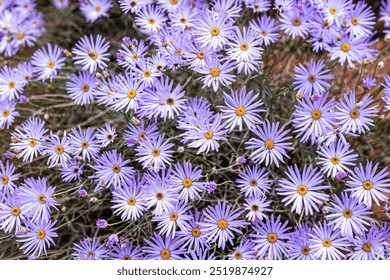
(213, 31)
(368, 245)
(163, 100)
(335, 158)
(73, 171)
(312, 80)
(271, 143)
(90, 249)
(59, 150)
(11, 213)
(159, 192)
(129, 92)
(155, 153)
(183, 18)
(128, 200)
(258, 6)
(110, 168)
(94, 9)
(256, 207)
(299, 244)
(175, 217)
(193, 236)
(362, 20)
(104, 91)
(254, 182)
(229, 7)
(150, 19)
(132, 6)
(245, 49)
(11, 83)
(367, 185)
(47, 63)
(221, 223)
(147, 72)
(37, 199)
(139, 131)
(327, 242)
(8, 177)
(369, 82)
(267, 29)
(84, 143)
(30, 139)
(90, 53)
(216, 73)
(296, 23)
(126, 251)
(38, 238)
(211, 186)
(347, 49)
(185, 178)
(242, 107)
(81, 88)
(355, 116)
(101, 223)
(303, 189)
(244, 251)
(129, 54)
(61, 4)
(385, 13)
(313, 119)
(26, 71)
(207, 134)
(7, 113)
(163, 249)
(106, 135)
(348, 215)
(269, 239)
(335, 10)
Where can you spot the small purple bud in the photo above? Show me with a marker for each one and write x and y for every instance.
(131, 141)
(23, 99)
(120, 57)
(341, 175)
(241, 160)
(83, 193)
(127, 41)
(112, 240)
(8, 155)
(211, 186)
(101, 223)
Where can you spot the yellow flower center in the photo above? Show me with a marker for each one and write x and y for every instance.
(131, 201)
(214, 31)
(15, 211)
(253, 183)
(51, 64)
(134, 56)
(4, 180)
(152, 21)
(302, 189)
(11, 84)
(316, 114)
(5, 113)
(187, 182)
(367, 185)
(33, 143)
(255, 207)
(200, 54)
(305, 250)
(195, 232)
(84, 87)
(165, 254)
(355, 21)
(126, 258)
(170, 101)
(366, 247)
(156, 152)
(183, 20)
(347, 213)
(214, 72)
(335, 160)
(296, 22)
(59, 149)
(173, 2)
(84, 145)
(272, 237)
(354, 114)
(240, 111)
(42, 198)
(41, 234)
(142, 135)
(312, 78)
(269, 144)
(326, 242)
(97, 8)
(244, 47)
(147, 74)
(264, 33)
(93, 55)
(20, 36)
(209, 134)
(116, 168)
(345, 47)
(237, 255)
(131, 94)
(222, 224)
(91, 253)
(333, 10)
(325, 24)
(173, 216)
(159, 196)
